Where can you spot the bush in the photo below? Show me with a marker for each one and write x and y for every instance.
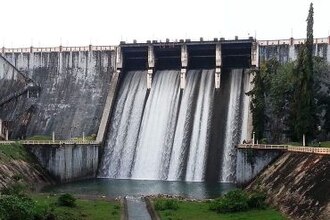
(238, 200)
(167, 204)
(233, 201)
(257, 200)
(14, 207)
(66, 200)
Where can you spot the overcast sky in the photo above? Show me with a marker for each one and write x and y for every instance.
(106, 22)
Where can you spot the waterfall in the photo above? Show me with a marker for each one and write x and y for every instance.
(157, 128)
(192, 131)
(124, 127)
(164, 134)
(245, 108)
(232, 126)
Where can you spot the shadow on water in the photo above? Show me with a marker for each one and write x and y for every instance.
(116, 187)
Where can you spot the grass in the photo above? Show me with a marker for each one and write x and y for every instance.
(39, 138)
(85, 210)
(322, 144)
(200, 210)
(14, 151)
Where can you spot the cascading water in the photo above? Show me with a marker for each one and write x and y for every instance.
(192, 134)
(237, 122)
(124, 127)
(245, 108)
(165, 135)
(157, 129)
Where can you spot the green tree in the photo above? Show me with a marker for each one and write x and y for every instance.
(257, 104)
(303, 114)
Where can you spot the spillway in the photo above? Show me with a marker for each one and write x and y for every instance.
(166, 133)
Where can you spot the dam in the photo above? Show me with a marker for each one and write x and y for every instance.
(162, 110)
(162, 121)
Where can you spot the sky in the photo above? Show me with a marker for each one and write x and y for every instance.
(41, 23)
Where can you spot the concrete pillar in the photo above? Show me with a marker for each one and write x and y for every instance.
(183, 78)
(292, 53)
(184, 65)
(119, 58)
(28, 94)
(218, 64)
(304, 140)
(217, 77)
(0, 126)
(83, 137)
(149, 78)
(151, 57)
(7, 134)
(151, 65)
(328, 52)
(53, 137)
(255, 55)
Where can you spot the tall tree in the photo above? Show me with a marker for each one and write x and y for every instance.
(303, 117)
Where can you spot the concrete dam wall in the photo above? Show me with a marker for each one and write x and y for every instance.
(74, 87)
(68, 162)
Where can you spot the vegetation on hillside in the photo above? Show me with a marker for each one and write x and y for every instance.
(14, 151)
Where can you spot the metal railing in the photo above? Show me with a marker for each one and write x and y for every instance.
(314, 150)
(7, 142)
(263, 146)
(50, 142)
(57, 49)
(292, 41)
(57, 142)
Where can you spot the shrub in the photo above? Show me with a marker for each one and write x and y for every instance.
(238, 200)
(233, 201)
(168, 204)
(14, 207)
(66, 200)
(257, 200)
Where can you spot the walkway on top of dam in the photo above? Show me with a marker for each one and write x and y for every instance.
(290, 148)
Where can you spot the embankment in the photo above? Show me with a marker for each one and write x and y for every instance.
(298, 185)
(17, 163)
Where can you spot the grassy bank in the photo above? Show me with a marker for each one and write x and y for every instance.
(97, 209)
(200, 210)
(16, 151)
(43, 207)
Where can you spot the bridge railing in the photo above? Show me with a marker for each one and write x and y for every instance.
(57, 142)
(314, 150)
(263, 146)
(292, 41)
(50, 142)
(57, 49)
